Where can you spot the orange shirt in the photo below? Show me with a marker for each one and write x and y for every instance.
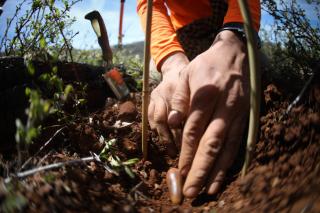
(170, 15)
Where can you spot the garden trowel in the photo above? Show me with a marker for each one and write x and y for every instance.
(112, 75)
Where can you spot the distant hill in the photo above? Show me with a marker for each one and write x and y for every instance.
(135, 48)
(93, 56)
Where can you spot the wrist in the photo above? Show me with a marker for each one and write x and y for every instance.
(229, 52)
(174, 63)
(238, 29)
(230, 37)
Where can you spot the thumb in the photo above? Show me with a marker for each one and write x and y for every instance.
(180, 102)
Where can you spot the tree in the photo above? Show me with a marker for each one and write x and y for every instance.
(295, 44)
(43, 21)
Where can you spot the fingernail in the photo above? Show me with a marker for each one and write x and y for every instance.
(174, 119)
(191, 192)
(214, 188)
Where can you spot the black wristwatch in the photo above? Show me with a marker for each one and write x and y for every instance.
(238, 29)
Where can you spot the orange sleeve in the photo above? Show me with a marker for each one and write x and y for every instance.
(163, 37)
(234, 13)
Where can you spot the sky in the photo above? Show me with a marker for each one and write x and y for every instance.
(109, 9)
(86, 39)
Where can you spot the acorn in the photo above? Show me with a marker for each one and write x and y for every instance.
(174, 183)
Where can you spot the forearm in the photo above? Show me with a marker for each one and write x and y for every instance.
(234, 13)
(163, 37)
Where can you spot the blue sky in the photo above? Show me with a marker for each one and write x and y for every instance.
(86, 38)
(109, 10)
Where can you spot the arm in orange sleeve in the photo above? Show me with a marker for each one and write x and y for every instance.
(234, 13)
(164, 40)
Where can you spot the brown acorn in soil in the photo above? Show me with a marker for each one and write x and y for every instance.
(174, 183)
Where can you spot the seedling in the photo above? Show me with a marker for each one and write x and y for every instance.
(145, 89)
(254, 85)
(108, 155)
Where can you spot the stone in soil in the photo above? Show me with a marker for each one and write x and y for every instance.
(127, 111)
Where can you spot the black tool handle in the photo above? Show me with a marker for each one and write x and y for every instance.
(101, 31)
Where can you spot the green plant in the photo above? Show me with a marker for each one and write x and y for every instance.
(37, 111)
(43, 29)
(131, 63)
(109, 155)
(294, 45)
(92, 56)
(44, 20)
(40, 107)
(254, 84)
(13, 201)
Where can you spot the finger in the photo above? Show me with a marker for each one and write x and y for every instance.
(150, 115)
(227, 155)
(180, 101)
(238, 105)
(200, 115)
(207, 152)
(177, 134)
(160, 119)
(166, 138)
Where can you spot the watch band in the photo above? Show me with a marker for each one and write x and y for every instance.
(238, 28)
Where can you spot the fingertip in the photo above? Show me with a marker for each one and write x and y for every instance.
(174, 119)
(191, 192)
(215, 181)
(214, 188)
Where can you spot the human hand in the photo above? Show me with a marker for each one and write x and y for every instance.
(212, 95)
(159, 106)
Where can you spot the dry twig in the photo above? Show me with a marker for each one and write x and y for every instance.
(51, 166)
(297, 99)
(42, 147)
(145, 90)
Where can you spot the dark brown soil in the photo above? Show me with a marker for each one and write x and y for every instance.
(283, 176)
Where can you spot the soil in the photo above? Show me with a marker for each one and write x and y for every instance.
(283, 175)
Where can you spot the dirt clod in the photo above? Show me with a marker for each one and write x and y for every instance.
(127, 111)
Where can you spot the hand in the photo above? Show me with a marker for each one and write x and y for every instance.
(161, 97)
(213, 95)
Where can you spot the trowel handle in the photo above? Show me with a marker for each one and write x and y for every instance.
(101, 31)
